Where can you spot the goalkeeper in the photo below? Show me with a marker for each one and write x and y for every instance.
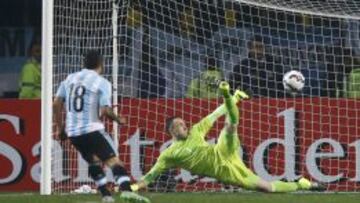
(190, 151)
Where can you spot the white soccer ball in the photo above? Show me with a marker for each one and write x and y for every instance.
(293, 81)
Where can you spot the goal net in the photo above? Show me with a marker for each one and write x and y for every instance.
(163, 56)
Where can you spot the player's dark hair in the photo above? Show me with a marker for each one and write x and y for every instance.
(169, 122)
(93, 59)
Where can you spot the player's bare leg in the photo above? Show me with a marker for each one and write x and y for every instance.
(123, 181)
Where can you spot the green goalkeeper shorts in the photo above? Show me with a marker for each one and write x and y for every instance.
(233, 170)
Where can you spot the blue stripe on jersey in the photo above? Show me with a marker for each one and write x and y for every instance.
(105, 97)
(87, 119)
(69, 116)
(74, 117)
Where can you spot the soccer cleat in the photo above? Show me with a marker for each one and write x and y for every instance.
(315, 186)
(225, 89)
(133, 197)
(306, 184)
(239, 95)
(230, 104)
(107, 199)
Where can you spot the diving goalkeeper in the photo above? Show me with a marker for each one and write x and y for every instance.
(190, 151)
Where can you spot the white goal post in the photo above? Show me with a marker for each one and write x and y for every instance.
(162, 58)
(46, 96)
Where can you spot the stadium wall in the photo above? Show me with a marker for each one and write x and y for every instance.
(317, 137)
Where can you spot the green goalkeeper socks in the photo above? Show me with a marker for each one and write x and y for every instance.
(280, 186)
(221, 110)
(229, 103)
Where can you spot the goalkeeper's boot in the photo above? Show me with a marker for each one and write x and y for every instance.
(306, 184)
(225, 89)
(233, 111)
(316, 186)
(240, 95)
(133, 197)
(107, 199)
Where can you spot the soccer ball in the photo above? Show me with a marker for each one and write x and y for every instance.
(293, 81)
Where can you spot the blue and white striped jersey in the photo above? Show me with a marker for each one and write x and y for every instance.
(84, 92)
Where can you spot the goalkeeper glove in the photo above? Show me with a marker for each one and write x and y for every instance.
(134, 187)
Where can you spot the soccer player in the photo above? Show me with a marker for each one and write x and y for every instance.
(190, 151)
(86, 94)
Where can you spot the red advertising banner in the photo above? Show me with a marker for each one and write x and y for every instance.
(19, 145)
(281, 138)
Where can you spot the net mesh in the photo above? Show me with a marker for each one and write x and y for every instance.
(79, 26)
(338, 8)
(171, 52)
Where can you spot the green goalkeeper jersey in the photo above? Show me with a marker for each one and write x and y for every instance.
(220, 161)
(197, 156)
(193, 154)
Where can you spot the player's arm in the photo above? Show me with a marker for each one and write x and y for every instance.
(105, 104)
(108, 112)
(206, 123)
(160, 166)
(57, 110)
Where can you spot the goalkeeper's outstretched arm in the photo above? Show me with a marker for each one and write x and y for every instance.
(160, 166)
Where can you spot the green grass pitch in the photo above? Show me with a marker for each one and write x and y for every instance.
(191, 198)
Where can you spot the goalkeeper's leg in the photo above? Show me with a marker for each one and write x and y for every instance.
(231, 141)
(233, 111)
(228, 142)
(282, 186)
(232, 117)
